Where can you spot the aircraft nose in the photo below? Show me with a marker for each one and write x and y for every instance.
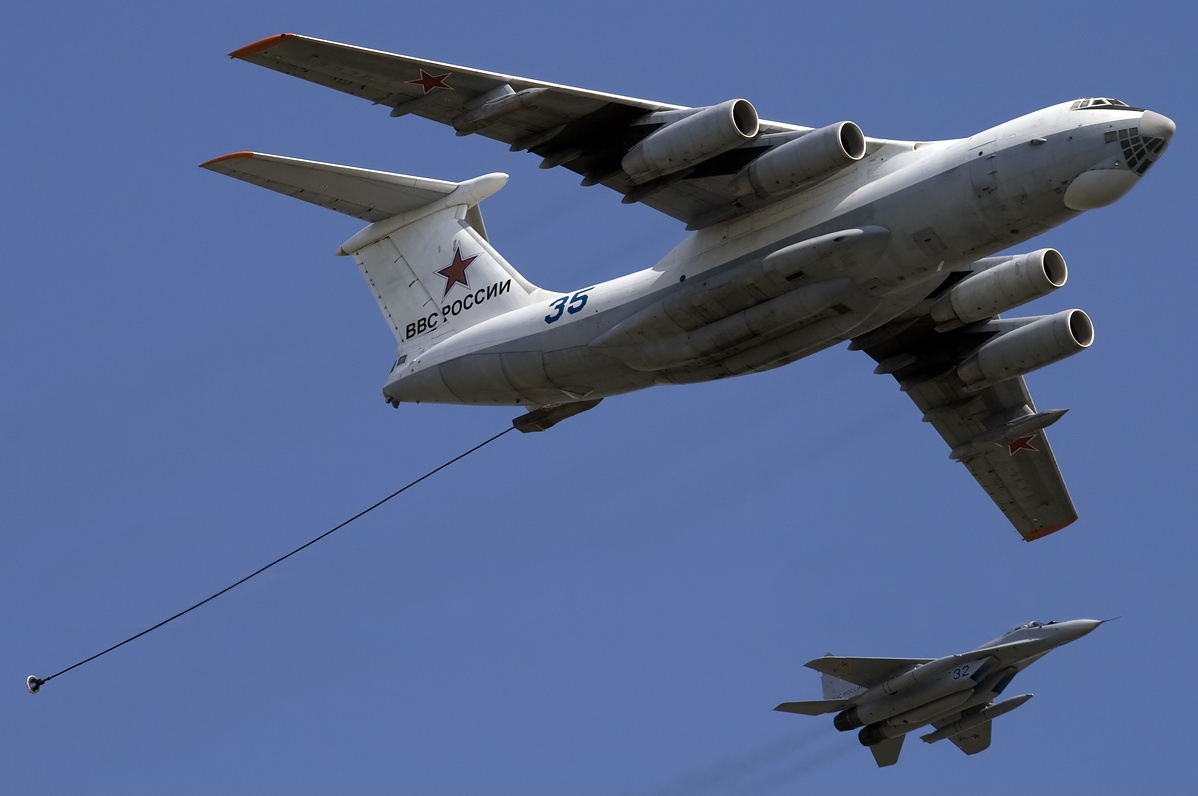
(1155, 125)
(1076, 628)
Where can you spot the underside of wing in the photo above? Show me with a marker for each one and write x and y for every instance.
(988, 419)
(865, 672)
(974, 740)
(594, 134)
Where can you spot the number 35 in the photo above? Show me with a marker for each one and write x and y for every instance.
(570, 304)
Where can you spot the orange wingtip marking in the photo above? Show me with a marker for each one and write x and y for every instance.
(229, 156)
(1034, 535)
(260, 45)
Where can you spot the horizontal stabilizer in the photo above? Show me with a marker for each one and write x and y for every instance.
(816, 707)
(361, 193)
(866, 672)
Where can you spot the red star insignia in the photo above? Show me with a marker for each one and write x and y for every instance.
(977, 736)
(429, 82)
(1022, 444)
(455, 272)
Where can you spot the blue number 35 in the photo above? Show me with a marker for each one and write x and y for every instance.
(570, 304)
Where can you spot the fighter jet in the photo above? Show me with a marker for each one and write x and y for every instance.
(802, 238)
(890, 697)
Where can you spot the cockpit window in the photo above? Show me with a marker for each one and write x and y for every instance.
(1100, 102)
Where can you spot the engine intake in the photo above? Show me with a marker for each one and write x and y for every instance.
(808, 157)
(1014, 281)
(692, 140)
(1046, 340)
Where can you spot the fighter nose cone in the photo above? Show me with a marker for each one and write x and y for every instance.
(1077, 628)
(1154, 125)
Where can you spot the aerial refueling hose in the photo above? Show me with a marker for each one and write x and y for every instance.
(35, 683)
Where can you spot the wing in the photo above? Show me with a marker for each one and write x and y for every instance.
(997, 433)
(588, 132)
(816, 707)
(971, 741)
(865, 672)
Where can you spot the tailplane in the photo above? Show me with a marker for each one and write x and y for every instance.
(425, 255)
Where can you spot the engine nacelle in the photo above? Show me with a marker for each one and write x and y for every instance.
(1042, 342)
(808, 157)
(848, 720)
(997, 289)
(692, 140)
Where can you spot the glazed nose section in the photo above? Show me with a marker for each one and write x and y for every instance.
(1154, 125)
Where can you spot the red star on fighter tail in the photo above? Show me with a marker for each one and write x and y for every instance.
(455, 272)
(1022, 444)
(429, 82)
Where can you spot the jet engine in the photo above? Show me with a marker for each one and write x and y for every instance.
(808, 157)
(1045, 340)
(692, 140)
(874, 734)
(999, 288)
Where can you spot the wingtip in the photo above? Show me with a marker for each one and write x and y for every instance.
(1040, 534)
(231, 156)
(260, 45)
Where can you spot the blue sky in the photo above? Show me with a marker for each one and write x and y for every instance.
(191, 388)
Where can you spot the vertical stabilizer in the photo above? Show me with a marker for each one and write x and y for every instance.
(887, 752)
(438, 275)
(425, 255)
(835, 688)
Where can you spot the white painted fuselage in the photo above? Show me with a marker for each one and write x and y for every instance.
(924, 209)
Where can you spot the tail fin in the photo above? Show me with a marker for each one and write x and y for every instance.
(887, 752)
(835, 688)
(425, 255)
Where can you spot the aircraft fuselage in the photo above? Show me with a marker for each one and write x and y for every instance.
(923, 209)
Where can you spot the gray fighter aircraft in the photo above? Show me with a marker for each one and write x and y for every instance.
(802, 238)
(890, 697)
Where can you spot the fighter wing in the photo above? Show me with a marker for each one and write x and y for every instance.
(588, 132)
(865, 672)
(996, 432)
(815, 707)
(971, 741)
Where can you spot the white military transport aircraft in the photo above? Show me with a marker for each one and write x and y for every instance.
(802, 238)
(890, 697)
